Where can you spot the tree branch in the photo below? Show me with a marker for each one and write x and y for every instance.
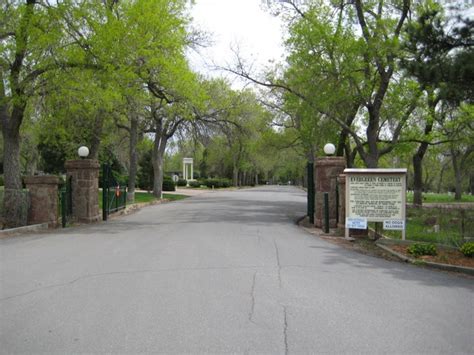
(398, 129)
(36, 73)
(296, 8)
(405, 10)
(6, 35)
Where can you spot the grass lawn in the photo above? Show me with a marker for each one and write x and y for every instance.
(431, 197)
(453, 225)
(174, 197)
(143, 197)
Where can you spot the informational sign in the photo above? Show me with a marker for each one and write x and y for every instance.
(394, 224)
(356, 223)
(377, 195)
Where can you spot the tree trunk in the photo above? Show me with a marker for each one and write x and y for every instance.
(11, 158)
(471, 183)
(235, 175)
(342, 142)
(159, 148)
(14, 198)
(440, 180)
(371, 158)
(256, 179)
(418, 174)
(132, 174)
(457, 175)
(97, 134)
(371, 161)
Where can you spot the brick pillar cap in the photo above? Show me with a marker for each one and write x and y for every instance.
(329, 161)
(41, 179)
(82, 164)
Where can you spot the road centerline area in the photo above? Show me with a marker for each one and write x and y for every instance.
(221, 272)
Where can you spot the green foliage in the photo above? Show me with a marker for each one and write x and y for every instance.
(441, 56)
(467, 249)
(181, 182)
(418, 249)
(53, 157)
(168, 184)
(121, 179)
(145, 172)
(431, 197)
(454, 226)
(217, 183)
(1, 181)
(195, 184)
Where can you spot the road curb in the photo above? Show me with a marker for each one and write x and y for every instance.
(135, 207)
(445, 267)
(25, 229)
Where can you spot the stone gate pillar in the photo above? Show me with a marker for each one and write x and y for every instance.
(85, 189)
(43, 199)
(326, 171)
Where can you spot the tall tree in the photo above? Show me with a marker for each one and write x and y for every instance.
(442, 62)
(343, 57)
(32, 43)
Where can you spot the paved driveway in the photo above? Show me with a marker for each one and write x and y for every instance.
(221, 272)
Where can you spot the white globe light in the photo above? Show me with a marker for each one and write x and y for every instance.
(329, 149)
(83, 151)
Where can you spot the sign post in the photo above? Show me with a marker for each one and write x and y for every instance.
(375, 195)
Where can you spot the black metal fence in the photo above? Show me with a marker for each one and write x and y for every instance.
(114, 196)
(65, 198)
(310, 191)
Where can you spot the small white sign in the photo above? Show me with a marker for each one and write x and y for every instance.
(356, 223)
(394, 224)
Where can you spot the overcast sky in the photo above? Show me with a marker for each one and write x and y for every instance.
(236, 23)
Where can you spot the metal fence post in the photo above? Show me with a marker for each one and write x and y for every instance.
(104, 192)
(69, 196)
(337, 202)
(326, 212)
(63, 208)
(310, 200)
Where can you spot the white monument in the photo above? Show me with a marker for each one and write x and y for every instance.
(188, 172)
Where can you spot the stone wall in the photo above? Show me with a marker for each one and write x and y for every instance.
(43, 199)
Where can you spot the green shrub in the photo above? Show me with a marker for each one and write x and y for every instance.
(2, 181)
(419, 249)
(195, 184)
(182, 182)
(217, 183)
(168, 184)
(211, 183)
(121, 179)
(225, 183)
(467, 249)
(145, 171)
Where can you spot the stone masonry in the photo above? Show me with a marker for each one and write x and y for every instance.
(43, 199)
(85, 189)
(326, 171)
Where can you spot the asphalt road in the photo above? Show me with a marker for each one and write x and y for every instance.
(218, 273)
